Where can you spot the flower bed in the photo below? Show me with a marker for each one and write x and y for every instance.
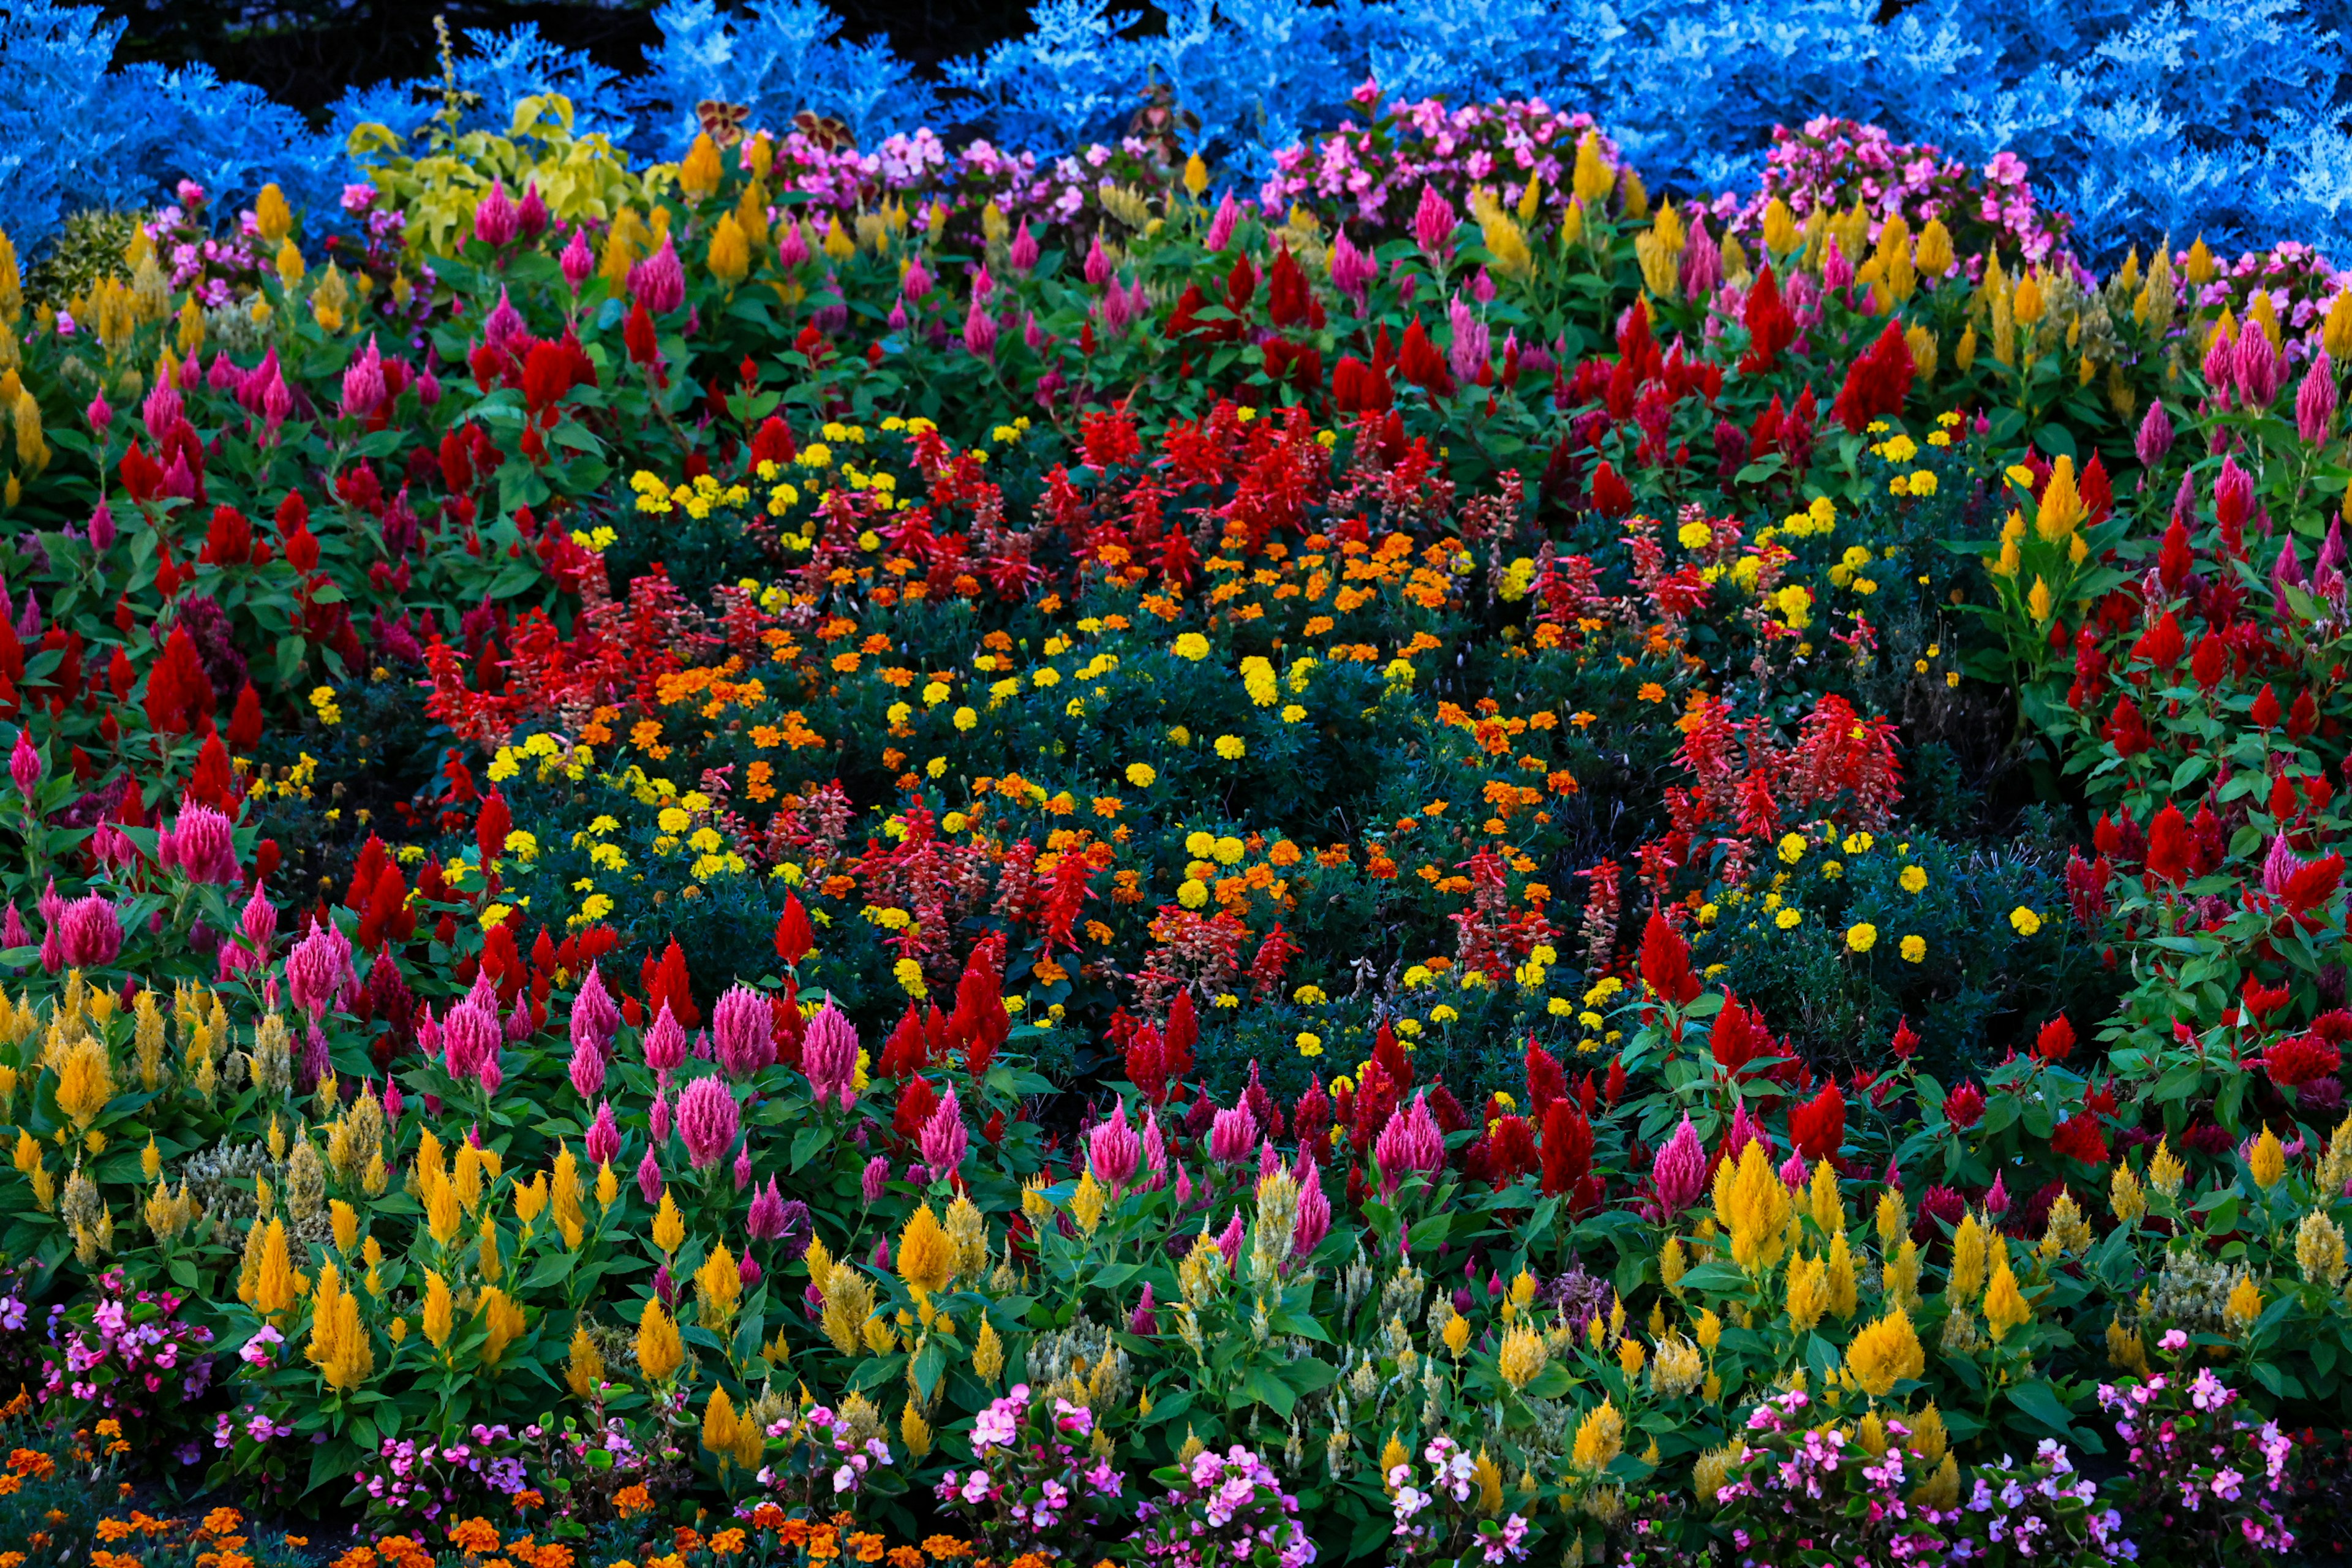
(1469, 870)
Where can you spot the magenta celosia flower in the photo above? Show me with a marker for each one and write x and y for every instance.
(657, 1118)
(708, 1121)
(1432, 223)
(829, 1056)
(1411, 1141)
(649, 1177)
(1155, 1148)
(1679, 1171)
(658, 282)
(1352, 271)
(89, 932)
(1314, 1221)
(1465, 356)
(766, 1220)
(470, 1037)
(363, 388)
(1023, 251)
(1794, 1170)
(504, 327)
(1113, 1151)
(1233, 1136)
(494, 219)
(2315, 402)
(979, 330)
(587, 1066)
(26, 767)
(604, 1138)
(2259, 369)
(875, 1180)
(595, 1019)
(1221, 223)
(665, 1043)
(1229, 1241)
(2155, 437)
(318, 970)
(531, 213)
(1143, 1319)
(944, 1139)
(744, 1026)
(578, 261)
(198, 845)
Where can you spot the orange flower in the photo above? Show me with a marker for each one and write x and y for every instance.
(727, 1543)
(686, 1538)
(946, 1548)
(794, 1532)
(473, 1536)
(113, 1529)
(823, 1545)
(527, 1498)
(357, 1557)
(631, 1500)
(32, 1462)
(768, 1516)
(905, 1557)
(867, 1546)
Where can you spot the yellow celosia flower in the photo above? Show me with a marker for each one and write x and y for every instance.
(717, 1285)
(669, 1226)
(2245, 1304)
(1522, 1357)
(926, 1257)
(2005, 1306)
(502, 1322)
(659, 1351)
(1885, 1353)
(1599, 1439)
(440, 1309)
(1752, 1205)
(584, 1369)
(2268, 1161)
(85, 1081)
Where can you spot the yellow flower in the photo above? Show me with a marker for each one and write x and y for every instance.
(585, 1368)
(1793, 848)
(1752, 1205)
(2268, 1161)
(1787, 919)
(1192, 646)
(439, 1308)
(2245, 1304)
(2319, 1250)
(85, 1082)
(669, 1226)
(926, 1257)
(659, 1351)
(1914, 948)
(1456, 1335)
(2004, 1305)
(1914, 879)
(502, 1322)
(1862, 938)
(2024, 922)
(1522, 1357)
(1231, 747)
(1599, 1439)
(1140, 775)
(1884, 1354)
(717, 1287)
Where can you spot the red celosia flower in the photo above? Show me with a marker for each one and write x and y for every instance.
(1665, 962)
(1877, 382)
(2299, 1059)
(1818, 1127)
(1964, 1106)
(2079, 1138)
(2056, 1041)
(1610, 496)
(2169, 847)
(794, 936)
(1419, 362)
(2127, 731)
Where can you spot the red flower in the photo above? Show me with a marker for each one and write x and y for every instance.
(1770, 329)
(2127, 731)
(2079, 1138)
(2210, 662)
(2056, 1041)
(1964, 1106)
(2265, 715)
(2169, 847)
(1665, 962)
(1818, 1127)
(2174, 561)
(795, 938)
(1419, 362)
(1905, 1043)
(178, 691)
(1360, 388)
(1610, 496)
(2161, 645)
(1567, 1147)
(2295, 1062)
(1877, 382)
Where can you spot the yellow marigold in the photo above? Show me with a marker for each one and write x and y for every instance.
(926, 1257)
(2005, 1306)
(1884, 1354)
(659, 1351)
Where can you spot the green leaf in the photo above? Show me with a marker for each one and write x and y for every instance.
(1265, 1386)
(806, 1143)
(2039, 1402)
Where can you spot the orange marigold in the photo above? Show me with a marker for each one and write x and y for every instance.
(867, 1545)
(633, 1499)
(474, 1535)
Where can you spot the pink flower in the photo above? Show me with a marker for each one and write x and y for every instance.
(1220, 224)
(578, 261)
(875, 1180)
(708, 1121)
(745, 1028)
(198, 845)
(658, 282)
(89, 932)
(595, 1019)
(1680, 1170)
(587, 1066)
(1432, 224)
(829, 1054)
(1314, 1221)
(1022, 253)
(2315, 402)
(1411, 1141)
(979, 330)
(1113, 1151)
(469, 1037)
(26, 767)
(495, 218)
(944, 1139)
(318, 970)
(665, 1043)
(649, 1177)
(1230, 1241)
(604, 1138)
(363, 388)
(1233, 1135)
(766, 1221)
